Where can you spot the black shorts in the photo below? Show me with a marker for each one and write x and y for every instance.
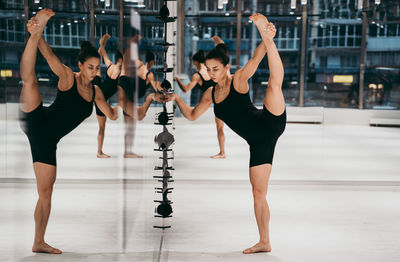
(43, 144)
(262, 149)
(128, 85)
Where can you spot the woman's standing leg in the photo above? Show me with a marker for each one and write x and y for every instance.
(129, 137)
(221, 139)
(259, 178)
(45, 178)
(100, 137)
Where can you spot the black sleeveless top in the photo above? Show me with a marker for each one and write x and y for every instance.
(252, 124)
(206, 83)
(109, 86)
(68, 110)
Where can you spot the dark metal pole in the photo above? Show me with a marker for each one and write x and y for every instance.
(303, 54)
(121, 25)
(26, 12)
(363, 55)
(238, 32)
(92, 21)
(181, 37)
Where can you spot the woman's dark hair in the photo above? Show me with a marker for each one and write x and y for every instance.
(118, 56)
(149, 56)
(220, 52)
(199, 57)
(87, 51)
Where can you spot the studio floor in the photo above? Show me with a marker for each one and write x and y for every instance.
(334, 195)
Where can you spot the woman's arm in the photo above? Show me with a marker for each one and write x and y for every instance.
(65, 74)
(193, 113)
(110, 112)
(156, 86)
(191, 85)
(142, 110)
(102, 50)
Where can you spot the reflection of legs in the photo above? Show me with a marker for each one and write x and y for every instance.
(129, 137)
(259, 177)
(30, 96)
(124, 102)
(45, 177)
(100, 137)
(221, 138)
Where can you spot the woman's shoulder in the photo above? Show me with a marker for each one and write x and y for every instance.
(240, 85)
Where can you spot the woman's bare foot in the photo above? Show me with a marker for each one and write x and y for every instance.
(263, 26)
(43, 16)
(102, 155)
(220, 155)
(132, 155)
(45, 248)
(259, 247)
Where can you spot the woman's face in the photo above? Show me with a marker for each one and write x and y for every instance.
(90, 67)
(216, 70)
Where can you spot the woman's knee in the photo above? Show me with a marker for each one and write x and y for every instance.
(259, 193)
(45, 192)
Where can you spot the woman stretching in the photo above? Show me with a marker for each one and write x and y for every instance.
(45, 126)
(202, 81)
(109, 87)
(261, 128)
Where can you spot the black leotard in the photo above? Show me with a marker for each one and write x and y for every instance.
(143, 86)
(206, 83)
(109, 88)
(45, 126)
(129, 86)
(259, 127)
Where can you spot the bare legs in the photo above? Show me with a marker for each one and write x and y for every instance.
(275, 103)
(30, 99)
(45, 178)
(221, 139)
(129, 137)
(100, 137)
(30, 96)
(259, 177)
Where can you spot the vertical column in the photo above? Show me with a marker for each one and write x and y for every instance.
(26, 13)
(303, 53)
(180, 46)
(92, 21)
(363, 55)
(121, 25)
(238, 32)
